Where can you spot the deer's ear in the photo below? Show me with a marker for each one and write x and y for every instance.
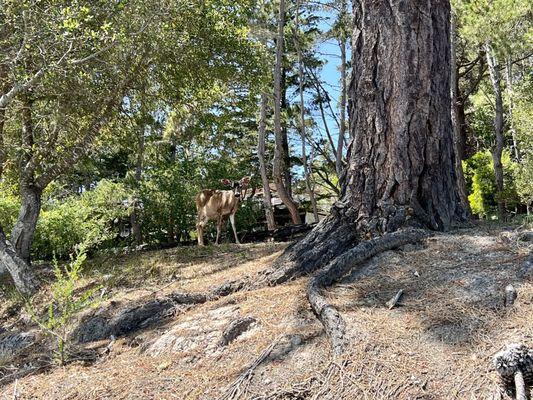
(245, 180)
(225, 181)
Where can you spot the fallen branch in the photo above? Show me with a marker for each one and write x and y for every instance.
(327, 314)
(240, 386)
(392, 302)
(520, 386)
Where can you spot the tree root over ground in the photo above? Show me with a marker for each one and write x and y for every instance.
(111, 320)
(336, 269)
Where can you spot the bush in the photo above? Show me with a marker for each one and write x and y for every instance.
(168, 207)
(480, 179)
(9, 209)
(524, 180)
(66, 302)
(93, 217)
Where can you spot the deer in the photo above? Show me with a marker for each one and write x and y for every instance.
(218, 205)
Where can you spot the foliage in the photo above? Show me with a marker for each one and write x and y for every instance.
(523, 118)
(503, 22)
(9, 206)
(67, 301)
(92, 217)
(479, 174)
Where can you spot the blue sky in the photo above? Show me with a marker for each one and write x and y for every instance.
(329, 51)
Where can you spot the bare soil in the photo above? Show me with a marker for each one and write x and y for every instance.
(436, 344)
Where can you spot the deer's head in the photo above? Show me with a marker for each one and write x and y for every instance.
(238, 187)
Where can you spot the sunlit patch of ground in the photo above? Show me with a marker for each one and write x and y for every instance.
(436, 344)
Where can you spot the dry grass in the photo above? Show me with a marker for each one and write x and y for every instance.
(436, 345)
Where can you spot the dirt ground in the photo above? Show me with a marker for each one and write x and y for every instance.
(437, 344)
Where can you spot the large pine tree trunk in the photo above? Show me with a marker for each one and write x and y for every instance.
(401, 161)
(401, 164)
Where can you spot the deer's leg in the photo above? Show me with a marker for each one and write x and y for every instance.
(232, 220)
(219, 227)
(200, 231)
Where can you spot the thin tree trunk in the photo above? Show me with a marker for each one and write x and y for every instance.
(261, 149)
(279, 151)
(30, 194)
(26, 224)
(134, 217)
(510, 94)
(497, 150)
(463, 150)
(457, 140)
(287, 176)
(308, 186)
(325, 121)
(342, 112)
(2, 151)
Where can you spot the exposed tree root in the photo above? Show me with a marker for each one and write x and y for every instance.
(326, 241)
(116, 321)
(328, 314)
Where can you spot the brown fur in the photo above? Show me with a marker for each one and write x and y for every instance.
(215, 205)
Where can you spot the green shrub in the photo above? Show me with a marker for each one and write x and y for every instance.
(67, 301)
(480, 179)
(9, 209)
(91, 217)
(524, 180)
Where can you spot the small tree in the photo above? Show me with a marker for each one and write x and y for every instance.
(66, 302)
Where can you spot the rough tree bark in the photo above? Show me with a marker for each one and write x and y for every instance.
(307, 174)
(261, 149)
(278, 152)
(26, 224)
(401, 160)
(20, 271)
(499, 140)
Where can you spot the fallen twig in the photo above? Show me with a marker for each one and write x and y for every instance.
(392, 302)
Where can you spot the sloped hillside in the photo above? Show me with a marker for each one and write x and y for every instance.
(437, 343)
